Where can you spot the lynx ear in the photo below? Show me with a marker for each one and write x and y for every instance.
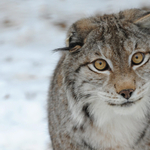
(78, 32)
(140, 17)
(144, 21)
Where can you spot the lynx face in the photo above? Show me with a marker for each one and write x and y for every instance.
(108, 73)
(99, 97)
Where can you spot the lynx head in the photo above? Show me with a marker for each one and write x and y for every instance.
(106, 68)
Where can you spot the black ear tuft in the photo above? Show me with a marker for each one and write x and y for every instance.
(62, 49)
(72, 45)
(75, 49)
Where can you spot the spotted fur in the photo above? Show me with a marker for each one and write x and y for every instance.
(85, 109)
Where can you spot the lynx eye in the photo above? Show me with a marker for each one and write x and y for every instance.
(137, 58)
(100, 64)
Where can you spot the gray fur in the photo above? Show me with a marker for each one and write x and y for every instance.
(79, 111)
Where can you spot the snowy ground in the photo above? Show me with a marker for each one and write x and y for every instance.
(29, 31)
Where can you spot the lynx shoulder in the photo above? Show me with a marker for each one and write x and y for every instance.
(99, 98)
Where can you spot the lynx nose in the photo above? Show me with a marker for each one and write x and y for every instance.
(126, 93)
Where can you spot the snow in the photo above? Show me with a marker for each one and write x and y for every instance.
(29, 31)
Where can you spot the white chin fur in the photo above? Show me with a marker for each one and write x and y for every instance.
(136, 108)
(103, 112)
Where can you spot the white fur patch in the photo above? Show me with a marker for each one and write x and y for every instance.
(113, 124)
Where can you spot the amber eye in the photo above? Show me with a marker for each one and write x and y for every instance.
(100, 64)
(137, 58)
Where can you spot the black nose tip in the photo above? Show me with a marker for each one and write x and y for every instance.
(126, 93)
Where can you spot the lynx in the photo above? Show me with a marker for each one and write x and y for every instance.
(99, 98)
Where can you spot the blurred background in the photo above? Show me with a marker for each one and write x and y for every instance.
(29, 31)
